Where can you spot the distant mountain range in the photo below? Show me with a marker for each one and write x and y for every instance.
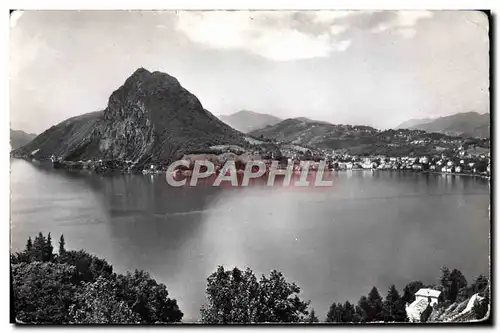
(247, 121)
(20, 138)
(414, 122)
(470, 124)
(311, 133)
(150, 118)
(357, 140)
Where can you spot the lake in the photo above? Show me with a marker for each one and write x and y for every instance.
(369, 229)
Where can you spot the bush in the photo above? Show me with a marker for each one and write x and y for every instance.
(46, 286)
(237, 297)
(88, 267)
(43, 292)
(96, 303)
(147, 298)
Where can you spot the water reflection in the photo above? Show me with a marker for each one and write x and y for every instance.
(369, 228)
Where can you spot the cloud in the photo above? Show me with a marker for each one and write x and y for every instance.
(407, 32)
(410, 18)
(343, 45)
(337, 29)
(403, 23)
(277, 35)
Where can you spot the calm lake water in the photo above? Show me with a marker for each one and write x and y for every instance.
(368, 229)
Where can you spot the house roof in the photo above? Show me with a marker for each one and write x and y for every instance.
(428, 292)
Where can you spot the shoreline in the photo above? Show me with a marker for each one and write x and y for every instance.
(147, 172)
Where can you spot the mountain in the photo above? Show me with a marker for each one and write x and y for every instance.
(318, 134)
(470, 124)
(150, 118)
(247, 121)
(308, 120)
(414, 122)
(358, 140)
(19, 138)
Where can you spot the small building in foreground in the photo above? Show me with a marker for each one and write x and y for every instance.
(424, 298)
(426, 293)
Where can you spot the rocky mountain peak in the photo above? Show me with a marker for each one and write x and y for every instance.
(151, 117)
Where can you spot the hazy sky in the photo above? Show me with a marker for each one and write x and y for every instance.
(373, 68)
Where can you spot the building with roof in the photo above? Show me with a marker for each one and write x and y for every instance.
(424, 298)
(426, 293)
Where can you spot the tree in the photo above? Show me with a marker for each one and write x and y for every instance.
(280, 299)
(452, 284)
(312, 318)
(481, 307)
(43, 292)
(62, 250)
(88, 266)
(409, 291)
(480, 284)
(29, 245)
(445, 282)
(335, 313)
(147, 298)
(358, 314)
(364, 305)
(39, 248)
(372, 306)
(350, 313)
(48, 249)
(394, 308)
(457, 282)
(25, 256)
(237, 297)
(345, 313)
(96, 303)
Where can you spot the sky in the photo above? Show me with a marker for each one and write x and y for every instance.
(376, 68)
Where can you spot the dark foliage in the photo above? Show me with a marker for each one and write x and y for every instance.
(78, 287)
(237, 297)
(372, 306)
(409, 291)
(451, 283)
(40, 249)
(312, 318)
(147, 298)
(87, 266)
(62, 243)
(345, 313)
(453, 287)
(96, 303)
(394, 307)
(43, 292)
(481, 307)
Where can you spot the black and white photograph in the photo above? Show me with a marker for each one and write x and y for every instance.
(312, 167)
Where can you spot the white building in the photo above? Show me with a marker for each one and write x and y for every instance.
(426, 293)
(423, 298)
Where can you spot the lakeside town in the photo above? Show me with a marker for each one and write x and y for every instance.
(462, 160)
